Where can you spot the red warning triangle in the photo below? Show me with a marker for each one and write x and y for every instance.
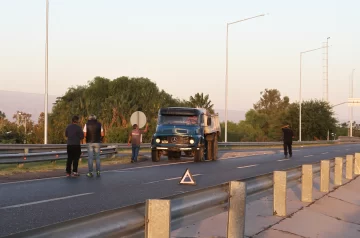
(187, 178)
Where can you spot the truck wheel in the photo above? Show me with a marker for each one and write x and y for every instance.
(210, 147)
(155, 155)
(199, 155)
(215, 143)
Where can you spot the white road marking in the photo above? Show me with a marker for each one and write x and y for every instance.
(43, 201)
(325, 153)
(149, 166)
(283, 160)
(169, 179)
(247, 166)
(308, 155)
(30, 180)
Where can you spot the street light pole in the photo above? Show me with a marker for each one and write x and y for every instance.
(46, 75)
(300, 96)
(226, 74)
(351, 96)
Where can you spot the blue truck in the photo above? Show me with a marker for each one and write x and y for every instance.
(193, 131)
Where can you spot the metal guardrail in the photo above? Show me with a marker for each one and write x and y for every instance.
(47, 156)
(186, 208)
(26, 153)
(19, 148)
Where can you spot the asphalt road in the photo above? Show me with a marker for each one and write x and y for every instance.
(30, 204)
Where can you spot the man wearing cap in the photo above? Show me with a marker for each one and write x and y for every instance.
(287, 139)
(93, 132)
(135, 139)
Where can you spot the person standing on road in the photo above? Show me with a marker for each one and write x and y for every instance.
(93, 132)
(287, 139)
(74, 136)
(135, 139)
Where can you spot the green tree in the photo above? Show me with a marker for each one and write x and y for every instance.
(317, 119)
(113, 102)
(2, 115)
(272, 107)
(201, 101)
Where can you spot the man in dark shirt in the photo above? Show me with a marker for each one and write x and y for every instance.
(74, 136)
(287, 139)
(93, 132)
(135, 139)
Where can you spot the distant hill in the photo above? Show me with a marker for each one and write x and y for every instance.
(32, 103)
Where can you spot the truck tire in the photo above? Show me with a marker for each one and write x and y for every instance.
(155, 155)
(199, 155)
(215, 143)
(210, 147)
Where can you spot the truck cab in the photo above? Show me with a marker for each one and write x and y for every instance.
(193, 131)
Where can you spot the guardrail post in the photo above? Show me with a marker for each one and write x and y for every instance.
(26, 151)
(157, 218)
(325, 176)
(237, 208)
(357, 163)
(279, 201)
(338, 170)
(307, 183)
(349, 166)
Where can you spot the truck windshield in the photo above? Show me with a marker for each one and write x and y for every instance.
(178, 120)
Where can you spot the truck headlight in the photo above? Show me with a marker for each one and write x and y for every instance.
(192, 141)
(157, 140)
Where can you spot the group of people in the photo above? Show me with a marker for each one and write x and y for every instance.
(92, 134)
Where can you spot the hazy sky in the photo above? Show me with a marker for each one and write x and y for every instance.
(180, 45)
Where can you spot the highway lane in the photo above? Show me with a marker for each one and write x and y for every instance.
(31, 204)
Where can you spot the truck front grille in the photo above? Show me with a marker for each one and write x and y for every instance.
(178, 140)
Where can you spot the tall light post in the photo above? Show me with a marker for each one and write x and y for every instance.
(46, 75)
(327, 69)
(327, 77)
(300, 96)
(226, 76)
(351, 92)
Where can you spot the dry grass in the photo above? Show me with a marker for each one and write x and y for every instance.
(35, 167)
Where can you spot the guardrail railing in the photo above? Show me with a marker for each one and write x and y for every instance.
(19, 148)
(22, 158)
(156, 218)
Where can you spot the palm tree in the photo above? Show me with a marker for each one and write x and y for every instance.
(201, 101)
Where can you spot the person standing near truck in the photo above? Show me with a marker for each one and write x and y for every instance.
(135, 139)
(74, 136)
(93, 132)
(287, 140)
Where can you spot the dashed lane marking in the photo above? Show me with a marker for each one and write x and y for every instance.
(43, 201)
(248, 166)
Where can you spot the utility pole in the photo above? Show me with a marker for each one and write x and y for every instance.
(46, 75)
(351, 92)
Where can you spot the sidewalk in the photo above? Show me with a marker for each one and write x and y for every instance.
(332, 215)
